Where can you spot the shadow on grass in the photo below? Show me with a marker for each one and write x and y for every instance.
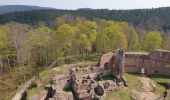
(133, 73)
(67, 89)
(159, 76)
(165, 85)
(109, 77)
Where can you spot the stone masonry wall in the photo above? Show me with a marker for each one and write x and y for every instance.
(154, 63)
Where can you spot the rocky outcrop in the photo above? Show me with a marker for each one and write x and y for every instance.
(117, 67)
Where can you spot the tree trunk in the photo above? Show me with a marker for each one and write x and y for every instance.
(86, 54)
(46, 60)
(9, 65)
(2, 70)
(25, 70)
(16, 48)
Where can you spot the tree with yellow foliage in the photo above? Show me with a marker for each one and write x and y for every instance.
(151, 40)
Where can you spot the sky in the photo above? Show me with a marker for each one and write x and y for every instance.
(95, 4)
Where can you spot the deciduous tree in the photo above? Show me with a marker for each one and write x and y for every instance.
(152, 40)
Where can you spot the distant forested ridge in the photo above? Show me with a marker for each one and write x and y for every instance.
(151, 19)
(18, 8)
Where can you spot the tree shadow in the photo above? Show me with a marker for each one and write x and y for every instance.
(165, 85)
(159, 76)
(132, 73)
(109, 77)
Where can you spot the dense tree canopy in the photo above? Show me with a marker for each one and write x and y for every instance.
(167, 42)
(150, 19)
(132, 38)
(41, 45)
(152, 40)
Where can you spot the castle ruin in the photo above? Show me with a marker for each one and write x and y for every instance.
(84, 86)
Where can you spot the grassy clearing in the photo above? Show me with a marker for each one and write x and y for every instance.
(133, 82)
(62, 69)
(161, 83)
(76, 59)
(66, 67)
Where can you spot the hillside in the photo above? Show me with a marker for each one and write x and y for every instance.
(147, 18)
(18, 8)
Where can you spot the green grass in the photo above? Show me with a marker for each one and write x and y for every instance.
(161, 83)
(133, 82)
(45, 73)
(34, 90)
(168, 65)
(93, 57)
(110, 77)
(67, 90)
(125, 93)
(78, 58)
(71, 60)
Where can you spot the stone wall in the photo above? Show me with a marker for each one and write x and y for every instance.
(21, 94)
(154, 63)
(83, 83)
(91, 71)
(104, 60)
(62, 80)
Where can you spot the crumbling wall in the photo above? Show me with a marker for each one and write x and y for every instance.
(91, 71)
(104, 60)
(153, 63)
(83, 83)
(63, 80)
(156, 62)
(21, 94)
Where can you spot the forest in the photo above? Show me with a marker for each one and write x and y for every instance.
(149, 19)
(26, 49)
(25, 45)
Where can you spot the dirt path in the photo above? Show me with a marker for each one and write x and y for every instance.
(148, 88)
(148, 85)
